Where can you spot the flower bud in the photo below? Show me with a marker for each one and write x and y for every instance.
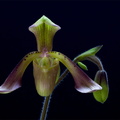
(102, 79)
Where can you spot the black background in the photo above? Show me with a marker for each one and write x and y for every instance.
(85, 24)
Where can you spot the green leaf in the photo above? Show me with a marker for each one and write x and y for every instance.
(83, 66)
(90, 52)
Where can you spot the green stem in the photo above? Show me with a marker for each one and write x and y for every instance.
(45, 108)
(62, 76)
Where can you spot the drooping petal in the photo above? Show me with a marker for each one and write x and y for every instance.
(102, 79)
(46, 72)
(13, 81)
(83, 83)
(44, 30)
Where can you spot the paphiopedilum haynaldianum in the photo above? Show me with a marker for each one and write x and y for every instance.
(46, 67)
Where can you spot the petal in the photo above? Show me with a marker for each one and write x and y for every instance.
(45, 75)
(102, 79)
(83, 83)
(44, 30)
(13, 81)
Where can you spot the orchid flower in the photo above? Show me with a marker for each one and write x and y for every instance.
(46, 68)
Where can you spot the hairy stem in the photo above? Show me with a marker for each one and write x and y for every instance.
(45, 108)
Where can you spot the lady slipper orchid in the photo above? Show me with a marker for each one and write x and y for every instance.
(46, 68)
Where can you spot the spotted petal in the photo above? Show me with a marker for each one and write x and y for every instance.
(83, 83)
(13, 81)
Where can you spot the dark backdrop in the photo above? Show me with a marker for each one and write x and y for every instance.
(85, 24)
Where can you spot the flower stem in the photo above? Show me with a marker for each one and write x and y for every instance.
(62, 76)
(45, 108)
